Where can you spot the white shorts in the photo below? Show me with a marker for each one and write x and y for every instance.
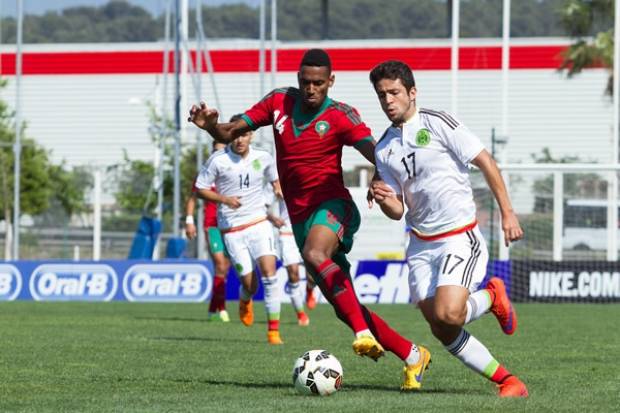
(289, 253)
(248, 245)
(459, 259)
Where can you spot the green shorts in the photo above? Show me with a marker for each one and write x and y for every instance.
(215, 241)
(339, 215)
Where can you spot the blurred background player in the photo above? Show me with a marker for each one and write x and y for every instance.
(310, 130)
(238, 172)
(423, 161)
(215, 248)
(288, 253)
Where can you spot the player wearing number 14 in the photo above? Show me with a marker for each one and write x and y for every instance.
(239, 173)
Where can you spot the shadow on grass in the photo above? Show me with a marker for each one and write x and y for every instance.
(346, 388)
(198, 320)
(204, 320)
(207, 339)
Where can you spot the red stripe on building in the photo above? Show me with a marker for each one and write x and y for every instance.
(151, 62)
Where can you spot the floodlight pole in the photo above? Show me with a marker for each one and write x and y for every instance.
(454, 55)
(612, 192)
(177, 119)
(503, 250)
(274, 55)
(18, 130)
(199, 141)
(261, 59)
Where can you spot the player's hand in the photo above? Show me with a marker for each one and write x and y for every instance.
(381, 191)
(190, 231)
(232, 201)
(512, 229)
(203, 116)
(276, 221)
(370, 195)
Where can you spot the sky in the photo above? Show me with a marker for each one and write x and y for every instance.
(156, 7)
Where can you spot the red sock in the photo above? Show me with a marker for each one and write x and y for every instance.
(500, 375)
(218, 298)
(389, 338)
(273, 325)
(338, 289)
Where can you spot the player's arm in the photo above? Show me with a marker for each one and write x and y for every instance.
(209, 195)
(206, 118)
(510, 222)
(391, 203)
(190, 225)
(367, 148)
(277, 189)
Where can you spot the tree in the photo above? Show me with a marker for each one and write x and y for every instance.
(34, 179)
(67, 197)
(590, 23)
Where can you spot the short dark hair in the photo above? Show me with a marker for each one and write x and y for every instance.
(316, 57)
(393, 69)
(236, 117)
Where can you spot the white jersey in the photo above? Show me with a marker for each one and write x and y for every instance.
(427, 163)
(240, 177)
(280, 206)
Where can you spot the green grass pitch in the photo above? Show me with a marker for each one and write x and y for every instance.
(123, 357)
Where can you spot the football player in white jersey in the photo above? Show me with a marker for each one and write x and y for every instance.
(423, 160)
(239, 172)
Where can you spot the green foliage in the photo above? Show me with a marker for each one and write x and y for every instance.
(119, 21)
(35, 183)
(49, 192)
(590, 23)
(134, 180)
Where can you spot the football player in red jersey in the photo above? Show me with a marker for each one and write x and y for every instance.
(310, 130)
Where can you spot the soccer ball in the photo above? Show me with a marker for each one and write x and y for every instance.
(317, 372)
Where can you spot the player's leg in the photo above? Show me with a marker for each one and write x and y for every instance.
(241, 259)
(342, 219)
(321, 244)
(261, 243)
(216, 249)
(461, 266)
(494, 299)
(310, 296)
(291, 258)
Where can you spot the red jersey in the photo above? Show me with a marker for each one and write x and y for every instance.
(308, 148)
(210, 209)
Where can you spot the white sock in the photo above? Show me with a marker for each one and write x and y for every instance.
(414, 356)
(478, 304)
(297, 298)
(365, 332)
(473, 354)
(272, 297)
(244, 294)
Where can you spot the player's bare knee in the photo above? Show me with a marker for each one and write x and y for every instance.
(221, 269)
(293, 276)
(449, 317)
(314, 256)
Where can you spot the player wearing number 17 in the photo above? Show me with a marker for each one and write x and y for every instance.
(423, 162)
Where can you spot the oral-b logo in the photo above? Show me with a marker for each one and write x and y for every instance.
(73, 282)
(167, 282)
(10, 282)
